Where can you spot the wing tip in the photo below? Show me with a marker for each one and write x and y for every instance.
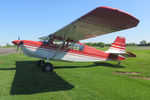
(120, 11)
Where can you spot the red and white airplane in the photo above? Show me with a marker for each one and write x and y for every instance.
(64, 45)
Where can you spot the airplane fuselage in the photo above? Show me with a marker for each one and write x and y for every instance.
(40, 50)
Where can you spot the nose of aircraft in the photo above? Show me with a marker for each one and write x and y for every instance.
(16, 42)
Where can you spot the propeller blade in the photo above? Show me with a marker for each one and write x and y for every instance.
(18, 45)
(18, 38)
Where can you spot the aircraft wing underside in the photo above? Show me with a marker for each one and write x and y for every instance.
(100, 21)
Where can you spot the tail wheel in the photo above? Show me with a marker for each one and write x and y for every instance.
(47, 67)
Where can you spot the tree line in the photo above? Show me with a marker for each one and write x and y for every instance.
(101, 44)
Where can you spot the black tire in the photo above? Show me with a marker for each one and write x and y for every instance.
(48, 67)
(40, 63)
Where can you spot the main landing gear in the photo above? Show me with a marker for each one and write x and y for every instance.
(45, 66)
(119, 62)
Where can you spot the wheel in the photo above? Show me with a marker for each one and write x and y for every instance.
(47, 67)
(40, 63)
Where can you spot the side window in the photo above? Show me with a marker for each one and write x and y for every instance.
(57, 41)
(70, 44)
(78, 47)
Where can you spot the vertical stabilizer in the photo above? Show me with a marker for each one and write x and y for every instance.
(118, 47)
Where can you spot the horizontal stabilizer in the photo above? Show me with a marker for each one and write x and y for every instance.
(128, 54)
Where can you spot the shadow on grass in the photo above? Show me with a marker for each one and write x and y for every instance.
(29, 79)
(94, 65)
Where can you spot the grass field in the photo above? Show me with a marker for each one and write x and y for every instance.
(20, 79)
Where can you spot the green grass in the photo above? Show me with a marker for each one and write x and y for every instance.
(20, 79)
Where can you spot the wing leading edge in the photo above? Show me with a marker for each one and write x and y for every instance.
(100, 21)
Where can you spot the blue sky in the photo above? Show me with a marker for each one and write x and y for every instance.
(31, 19)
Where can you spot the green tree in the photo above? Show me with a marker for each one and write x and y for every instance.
(143, 43)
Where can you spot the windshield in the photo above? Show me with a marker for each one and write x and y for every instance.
(45, 40)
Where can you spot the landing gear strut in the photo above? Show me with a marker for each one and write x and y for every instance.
(119, 62)
(40, 63)
(45, 66)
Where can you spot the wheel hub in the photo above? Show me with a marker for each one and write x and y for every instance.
(48, 68)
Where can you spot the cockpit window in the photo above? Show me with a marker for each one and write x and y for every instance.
(57, 42)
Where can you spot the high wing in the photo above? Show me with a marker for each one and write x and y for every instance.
(100, 21)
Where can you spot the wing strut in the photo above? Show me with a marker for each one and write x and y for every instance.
(63, 42)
